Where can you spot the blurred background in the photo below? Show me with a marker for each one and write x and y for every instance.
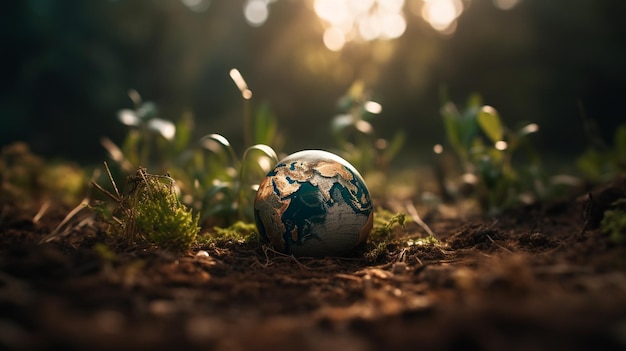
(68, 65)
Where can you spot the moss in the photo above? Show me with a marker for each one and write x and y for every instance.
(384, 222)
(149, 211)
(239, 231)
(163, 220)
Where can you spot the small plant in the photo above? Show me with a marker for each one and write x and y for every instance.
(355, 135)
(149, 211)
(223, 185)
(485, 149)
(381, 234)
(614, 222)
(601, 162)
(384, 223)
(211, 177)
(26, 177)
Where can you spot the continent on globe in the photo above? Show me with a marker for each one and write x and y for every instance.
(314, 203)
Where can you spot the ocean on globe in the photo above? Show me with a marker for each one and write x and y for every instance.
(314, 203)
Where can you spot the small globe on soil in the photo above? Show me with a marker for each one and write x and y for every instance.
(314, 203)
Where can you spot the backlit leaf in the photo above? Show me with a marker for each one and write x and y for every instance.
(490, 123)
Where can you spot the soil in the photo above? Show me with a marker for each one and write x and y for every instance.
(538, 278)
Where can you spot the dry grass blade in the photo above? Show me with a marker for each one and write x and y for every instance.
(415, 216)
(42, 211)
(57, 231)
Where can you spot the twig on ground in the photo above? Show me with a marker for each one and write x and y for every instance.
(498, 245)
(415, 216)
(269, 248)
(56, 233)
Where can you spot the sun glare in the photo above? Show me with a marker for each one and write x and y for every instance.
(441, 14)
(373, 107)
(364, 20)
(501, 145)
(334, 39)
(344, 21)
(236, 76)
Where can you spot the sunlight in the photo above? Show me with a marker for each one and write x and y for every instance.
(256, 12)
(128, 117)
(364, 20)
(236, 76)
(369, 28)
(501, 145)
(334, 39)
(164, 127)
(391, 5)
(360, 6)
(393, 25)
(333, 11)
(441, 14)
(373, 107)
(265, 163)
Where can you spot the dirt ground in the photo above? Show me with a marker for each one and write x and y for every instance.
(541, 278)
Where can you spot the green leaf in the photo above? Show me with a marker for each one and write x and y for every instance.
(395, 145)
(474, 101)
(490, 123)
(620, 144)
(265, 125)
(219, 145)
(591, 164)
(451, 121)
(183, 132)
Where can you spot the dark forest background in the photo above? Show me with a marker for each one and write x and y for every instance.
(67, 67)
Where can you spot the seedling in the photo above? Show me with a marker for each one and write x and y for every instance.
(485, 149)
(223, 184)
(355, 135)
(384, 223)
(149, 211)
(382, 233)
(614, 222)
(602, 162)
(211, 177)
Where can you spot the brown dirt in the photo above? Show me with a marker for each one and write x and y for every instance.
(541, 278)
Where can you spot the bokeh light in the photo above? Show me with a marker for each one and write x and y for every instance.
(256, 12)
(197, 5)
(353, 20)
(506, 4)
(501, 145)
(373, 107)
(442, 14)
(236, 76)
(345, 21)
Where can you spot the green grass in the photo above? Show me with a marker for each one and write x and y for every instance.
(149, 211)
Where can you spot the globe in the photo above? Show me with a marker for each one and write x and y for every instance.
(313, 203)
